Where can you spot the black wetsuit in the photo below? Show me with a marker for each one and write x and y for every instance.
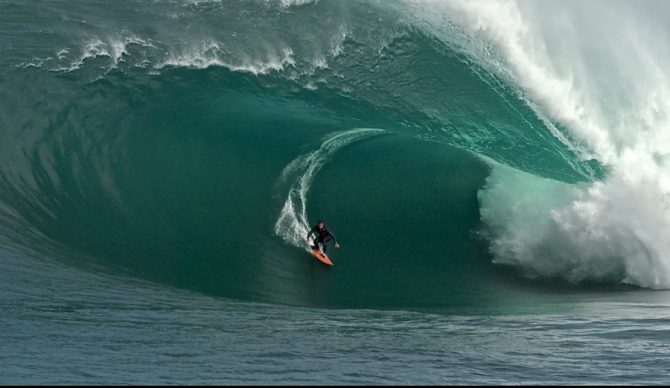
(323, 236)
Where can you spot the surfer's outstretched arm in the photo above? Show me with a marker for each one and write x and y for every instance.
(337, 245)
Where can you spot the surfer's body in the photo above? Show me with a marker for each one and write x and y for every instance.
(322, 236)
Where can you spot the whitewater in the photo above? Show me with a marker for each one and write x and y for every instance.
(614, 228)
(496, 172)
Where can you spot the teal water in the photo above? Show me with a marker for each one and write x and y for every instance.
(160, 164)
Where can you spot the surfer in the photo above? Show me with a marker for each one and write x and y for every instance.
(323, 236)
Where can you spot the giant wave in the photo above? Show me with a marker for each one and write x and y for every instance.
(443, 145)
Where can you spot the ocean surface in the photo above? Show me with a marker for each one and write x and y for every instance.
(497, 173)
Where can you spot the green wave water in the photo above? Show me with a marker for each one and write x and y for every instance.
(172, 156)
(168, 170)
(495, 171)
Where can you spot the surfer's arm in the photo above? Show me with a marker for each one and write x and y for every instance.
(337, 245)
(313, 231)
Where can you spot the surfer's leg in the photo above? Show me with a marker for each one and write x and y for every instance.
(320, 244)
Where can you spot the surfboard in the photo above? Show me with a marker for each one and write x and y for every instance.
(321, 257)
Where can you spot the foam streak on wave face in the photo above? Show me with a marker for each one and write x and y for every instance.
(600, 70)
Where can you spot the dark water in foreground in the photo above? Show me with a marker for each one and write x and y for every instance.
(63, 330)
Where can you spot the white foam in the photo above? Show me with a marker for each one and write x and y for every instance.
(281, 3)
(198, 55)
(114, 48)
(292, 224)
(600, 69)
(210, 52)
(296, 3)
(62, 53)
(614, 230)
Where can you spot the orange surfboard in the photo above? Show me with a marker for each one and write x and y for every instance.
(321, 257)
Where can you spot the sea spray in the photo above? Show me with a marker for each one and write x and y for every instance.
(603, 84)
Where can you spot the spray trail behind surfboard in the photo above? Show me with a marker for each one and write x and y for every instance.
(292, 225)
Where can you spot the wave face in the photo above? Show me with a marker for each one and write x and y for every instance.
(193, 143)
